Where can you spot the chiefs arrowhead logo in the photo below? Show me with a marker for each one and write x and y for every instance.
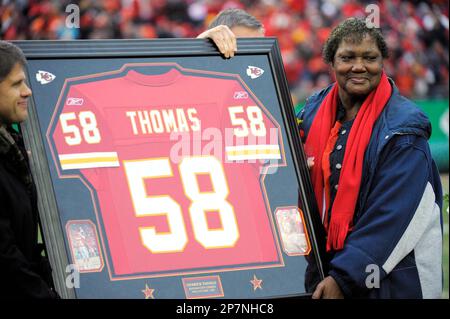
(44, 77)
(254, 72)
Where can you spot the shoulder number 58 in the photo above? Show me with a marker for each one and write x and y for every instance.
(89, 129)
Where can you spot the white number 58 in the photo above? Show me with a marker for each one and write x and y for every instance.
(201, 202)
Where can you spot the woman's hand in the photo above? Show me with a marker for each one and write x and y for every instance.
(328, 289)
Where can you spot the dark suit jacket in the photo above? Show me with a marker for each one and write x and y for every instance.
(24, 273)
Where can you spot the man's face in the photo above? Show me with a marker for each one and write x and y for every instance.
(14, 94)
(245, 32)
(358, 66)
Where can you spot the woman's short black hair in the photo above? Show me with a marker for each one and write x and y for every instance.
(353, 30)
(10, 54)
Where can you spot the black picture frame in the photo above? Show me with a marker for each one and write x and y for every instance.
(42, 54)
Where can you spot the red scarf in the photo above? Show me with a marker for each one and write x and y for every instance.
(351, 171)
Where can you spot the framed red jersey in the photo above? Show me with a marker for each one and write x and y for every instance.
(166, 171)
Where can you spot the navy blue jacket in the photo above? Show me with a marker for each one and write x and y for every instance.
(395, 247)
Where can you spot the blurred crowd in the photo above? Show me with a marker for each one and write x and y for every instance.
(417, 32)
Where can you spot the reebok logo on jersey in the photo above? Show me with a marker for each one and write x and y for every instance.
(44, 77)
(238, 95)
(74, 101)
(254, 72)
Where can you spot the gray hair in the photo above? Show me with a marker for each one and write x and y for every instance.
(236, 17)
(10, 54)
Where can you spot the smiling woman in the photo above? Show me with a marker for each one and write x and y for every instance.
(376, 184)
(356, 55)
(358, 68)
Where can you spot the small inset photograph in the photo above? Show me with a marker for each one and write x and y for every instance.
(293, 235)
(84, 245)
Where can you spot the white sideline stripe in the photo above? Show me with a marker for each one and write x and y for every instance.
(252, 152)
(252, 147)
(87, 155)
(420, 235)
(89, 160)
(253, 156)
(414, 230)
(428, 255)
(90, 165)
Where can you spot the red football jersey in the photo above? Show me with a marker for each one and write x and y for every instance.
(176, 164)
